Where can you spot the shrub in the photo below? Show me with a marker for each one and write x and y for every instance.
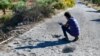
(67, 3)
(46, 10)
(5, 18)
(45, 2)
(44, 7)
(24, 0)
(61, 4)
(58, 5)
(19, 6)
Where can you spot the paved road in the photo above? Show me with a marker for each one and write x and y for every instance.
(40, 40)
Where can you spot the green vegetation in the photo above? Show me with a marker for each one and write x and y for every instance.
(5, 18)
(8, 4)
(4, 4)
(20, 5)
(96, 2)
(40, 9)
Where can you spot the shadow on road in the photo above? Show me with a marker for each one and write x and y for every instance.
(81, 3)
(96, 20)
(46, 44)
(98, 11)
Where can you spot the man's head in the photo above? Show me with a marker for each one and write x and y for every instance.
(67, 15)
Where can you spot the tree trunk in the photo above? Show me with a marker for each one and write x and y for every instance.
(4, 11)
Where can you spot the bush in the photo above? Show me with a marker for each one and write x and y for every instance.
(62, 4)
(43, 7)
(19, 6)
(45, 2)
(67, 3)
(45, 10)
(58, 5)
(5, 18)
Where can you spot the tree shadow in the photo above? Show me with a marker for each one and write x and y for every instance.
(98, 11)
(46, 44)
(96, 20)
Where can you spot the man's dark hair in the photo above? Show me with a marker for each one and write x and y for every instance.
(67, 14)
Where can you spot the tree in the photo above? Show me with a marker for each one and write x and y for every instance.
(96, 2)
(19, 6)
(24, 0)
(4, 4)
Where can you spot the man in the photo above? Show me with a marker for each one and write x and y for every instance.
(70, 27)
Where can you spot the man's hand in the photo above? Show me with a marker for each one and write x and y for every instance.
(66, 25)
(60, 23)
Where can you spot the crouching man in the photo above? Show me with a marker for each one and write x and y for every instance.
(70, 27)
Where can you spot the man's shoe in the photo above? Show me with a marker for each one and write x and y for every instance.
(76, 38)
